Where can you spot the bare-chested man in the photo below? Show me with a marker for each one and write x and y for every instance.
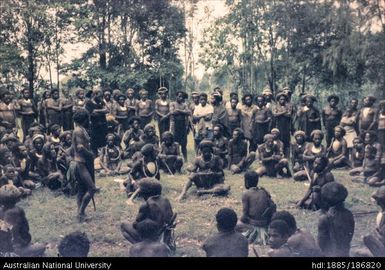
(82, 167)
(144, 108)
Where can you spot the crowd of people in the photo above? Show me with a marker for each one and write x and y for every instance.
(64, 142)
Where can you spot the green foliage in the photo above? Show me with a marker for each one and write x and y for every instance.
(135, 44)
(318, 46)
(130, 43)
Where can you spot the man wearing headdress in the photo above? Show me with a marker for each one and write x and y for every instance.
(162, 110)
(268, 94)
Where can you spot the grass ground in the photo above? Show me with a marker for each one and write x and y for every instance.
(51, 216)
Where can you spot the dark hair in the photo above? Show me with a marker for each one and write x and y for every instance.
(260, 96)
(280, 226)
(204, 95)
(54, 127)
(251, 179)
(53, 90)
(226, 219)
(46, 149)
(324, 160)
(150, 187)
(148, 229)
(288, 218)
(75, 244)
(80, 116)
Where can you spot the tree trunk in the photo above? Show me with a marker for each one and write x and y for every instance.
(30, 57)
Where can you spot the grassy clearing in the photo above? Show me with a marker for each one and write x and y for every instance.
(51, 216)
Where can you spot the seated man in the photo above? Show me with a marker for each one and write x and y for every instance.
(48, 170)
(272, 159)
(313, 150)
(20, 161)
(150, 246)
(6, 247)
(338, 150)
(145, 164)
(297, 150)
(34, 154)
(11, 177)
(375, 241)
(75, 244)
(319, 176)
(54, 138)
(149, 136)
(64, 156)
(279, 234)
(170, 158)
(336, 226)
(131, 138)
(370, 173)
(300, 242)
(156, 208)
(358, 152)
(220, 144)
(258, 207)
(206, 173)
(239, 156)
(111, 158)
(226, 242)
(15, 216)
(276, 134)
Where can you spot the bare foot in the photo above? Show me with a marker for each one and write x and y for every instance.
(82, 218)
(130, 202)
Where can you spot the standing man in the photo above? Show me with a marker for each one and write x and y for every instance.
(179, 121)
(202, 117)
(7, 112)
(331, 117)
(162, 111)
(27, 111)
(261, 122)
(234, 114)
(247, 110)
(53, 109)
(131, 103)
(367, 115)
(282, 119)
(67, 105)
(98, 125)
(81, 168)
(144, 108)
